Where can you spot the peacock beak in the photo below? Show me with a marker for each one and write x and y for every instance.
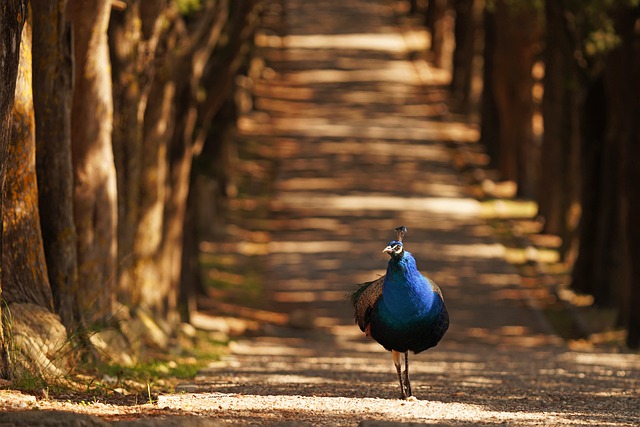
(394, 249)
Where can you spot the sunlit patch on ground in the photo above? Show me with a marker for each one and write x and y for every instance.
(357, 141)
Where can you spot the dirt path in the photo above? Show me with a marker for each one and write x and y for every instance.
(362, 147)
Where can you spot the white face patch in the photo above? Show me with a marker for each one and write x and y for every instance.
(395, 249)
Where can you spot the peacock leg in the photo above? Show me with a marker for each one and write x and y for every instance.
(407, 384)
(398, 362)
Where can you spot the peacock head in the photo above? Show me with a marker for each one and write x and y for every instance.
(394, 249)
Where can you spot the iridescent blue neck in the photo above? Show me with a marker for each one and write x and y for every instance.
(406, 292)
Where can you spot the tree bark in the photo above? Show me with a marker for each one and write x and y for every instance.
(595, 251)
(609, 254)
(516, 48)
(175, 125)
(52, 90)
(176, 89)
(38, 338)
(599, 267)
(218, 79)
(564, 83)
(631, 317)
(435, 22)
(219, 74)
(95, 193)
(24, 274)
(490, 120)
(12, 19)
(464, 52)
(128, 100)
(133, 37)
(623, 131)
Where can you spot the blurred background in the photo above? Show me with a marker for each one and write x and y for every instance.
(129, 180)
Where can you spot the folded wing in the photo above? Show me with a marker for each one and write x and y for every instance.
(363, 300)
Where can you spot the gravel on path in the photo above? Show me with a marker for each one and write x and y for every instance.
(362, 142)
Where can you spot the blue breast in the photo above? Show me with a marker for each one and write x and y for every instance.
(409, 315)
(407, 294)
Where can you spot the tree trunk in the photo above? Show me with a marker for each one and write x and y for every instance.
(591, 267)
(609, 255)
(211, 181)
(24, 274)
(463, 55)
(176, 122)
(623, 131)
(133, 38)
(38, 338)
(515, 53)
(559, 198)
(218, 79)
(413, 6)
(157, 128)
(128, 100)
(180, 79)
(95, 193)
(12, 19)
(490, 120)
(190, 272)
(435, 21)
(221, 70)
(52, 90)
(180, 154)
(600, 260)
(630, 311)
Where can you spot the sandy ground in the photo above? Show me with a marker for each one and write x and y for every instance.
(362, 146)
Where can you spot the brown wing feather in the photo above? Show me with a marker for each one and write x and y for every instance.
(363, 300)
(435, 288)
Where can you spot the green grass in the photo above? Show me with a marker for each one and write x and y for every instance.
(155, 370)
(160, 372)
(232, 277)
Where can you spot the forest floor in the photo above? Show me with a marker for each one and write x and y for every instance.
(350, 138)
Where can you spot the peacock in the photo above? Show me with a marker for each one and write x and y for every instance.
(402, 310)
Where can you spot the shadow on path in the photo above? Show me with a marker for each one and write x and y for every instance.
(358, 142)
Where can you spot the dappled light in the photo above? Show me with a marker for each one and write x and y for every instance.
(370, 41)
(434, 205)
(358, 140)
(236, 200)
